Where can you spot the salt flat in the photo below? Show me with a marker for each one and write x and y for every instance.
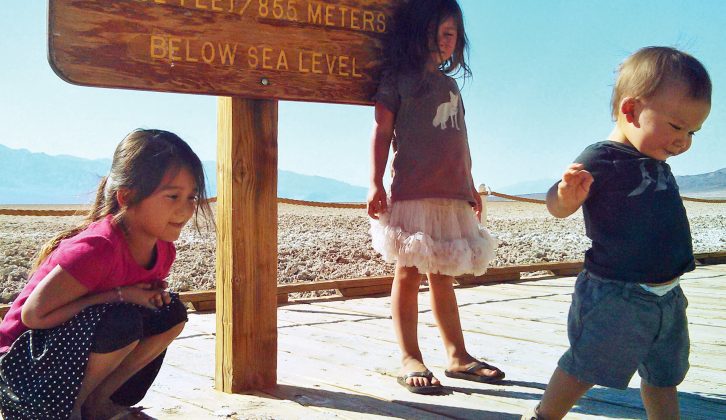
(316, 243)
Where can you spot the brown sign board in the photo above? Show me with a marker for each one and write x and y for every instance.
(307, 50)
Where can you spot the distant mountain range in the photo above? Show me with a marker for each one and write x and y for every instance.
(712, 184)
(38, 178)
(708, 185)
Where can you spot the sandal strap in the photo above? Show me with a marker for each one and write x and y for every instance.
(420, 374)
(479, 365)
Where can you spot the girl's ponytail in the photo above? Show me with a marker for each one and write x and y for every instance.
(94, 214)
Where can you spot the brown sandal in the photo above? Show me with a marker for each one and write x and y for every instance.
(470, 373)
(427, 389)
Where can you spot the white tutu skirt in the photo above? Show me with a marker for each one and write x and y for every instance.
(434, 235)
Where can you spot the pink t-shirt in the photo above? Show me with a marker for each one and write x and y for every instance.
(99, 259)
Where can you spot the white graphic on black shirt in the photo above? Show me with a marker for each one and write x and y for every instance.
(660, 185)
(662, 181)
(448, 111)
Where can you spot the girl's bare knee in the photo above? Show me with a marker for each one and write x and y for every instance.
(658, 391)
(121, 350)
(173, 332)
(440, 279)
(177, 329)
(407, 275)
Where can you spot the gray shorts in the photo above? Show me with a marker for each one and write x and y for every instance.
(616, 328)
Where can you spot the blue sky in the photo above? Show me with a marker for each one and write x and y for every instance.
(543, 72)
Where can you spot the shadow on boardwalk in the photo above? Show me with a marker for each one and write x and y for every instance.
(338, 358)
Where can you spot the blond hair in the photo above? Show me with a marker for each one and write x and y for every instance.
(642, 74)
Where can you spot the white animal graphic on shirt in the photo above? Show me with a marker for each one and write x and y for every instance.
(446, 111)
(661, 184)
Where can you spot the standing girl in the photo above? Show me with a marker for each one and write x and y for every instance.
(88, 333)
(427, 224)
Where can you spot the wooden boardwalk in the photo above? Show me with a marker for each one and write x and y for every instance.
(339, 358)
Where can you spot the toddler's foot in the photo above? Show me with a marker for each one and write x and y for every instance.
(532, 414)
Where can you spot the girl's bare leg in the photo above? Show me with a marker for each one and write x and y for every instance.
(99, 367)
(99, 401)
(446, 312)
(404, 311)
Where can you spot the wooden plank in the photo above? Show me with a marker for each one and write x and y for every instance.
(339, 359)
(205, 306)
(246, 262)
(310, 50)
(198, 398)
(205, 300)
(197, 296)
(712, 260)
(365, 290)
(335, 284)
(366, 286)
(489, 277)
(463, 399)
(715, 254)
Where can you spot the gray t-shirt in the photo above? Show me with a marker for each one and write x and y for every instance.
(431, 152)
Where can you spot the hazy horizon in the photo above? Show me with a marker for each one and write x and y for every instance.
(540, 94)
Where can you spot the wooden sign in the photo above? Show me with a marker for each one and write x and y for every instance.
(307, 50)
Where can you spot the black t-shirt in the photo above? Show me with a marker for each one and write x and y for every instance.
(635, 217)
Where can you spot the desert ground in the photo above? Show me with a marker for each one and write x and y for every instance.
(317, 243)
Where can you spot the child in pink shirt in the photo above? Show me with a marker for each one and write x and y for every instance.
(88, 333)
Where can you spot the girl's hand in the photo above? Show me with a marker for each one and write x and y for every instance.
(163, 285)
(145, 294)
(377, 203)
(477, 205)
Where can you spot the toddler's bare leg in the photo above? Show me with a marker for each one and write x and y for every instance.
(660, 402)
(404, 311)
(561, 394)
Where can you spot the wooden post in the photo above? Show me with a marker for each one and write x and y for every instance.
(246, 352)
(318, 51)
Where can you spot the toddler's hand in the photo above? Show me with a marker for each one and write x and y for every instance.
(377, 203)
(575, 185)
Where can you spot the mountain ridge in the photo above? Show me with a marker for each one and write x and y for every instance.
(38, 178)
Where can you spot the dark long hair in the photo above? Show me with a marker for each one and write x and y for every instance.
(139, 164)
(406, 47)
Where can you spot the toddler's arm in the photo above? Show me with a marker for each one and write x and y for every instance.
(381, 143)
(565, 197)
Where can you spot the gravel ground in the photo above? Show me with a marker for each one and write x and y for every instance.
(322, 244)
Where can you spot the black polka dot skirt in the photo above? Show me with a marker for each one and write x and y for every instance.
(41, 374)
